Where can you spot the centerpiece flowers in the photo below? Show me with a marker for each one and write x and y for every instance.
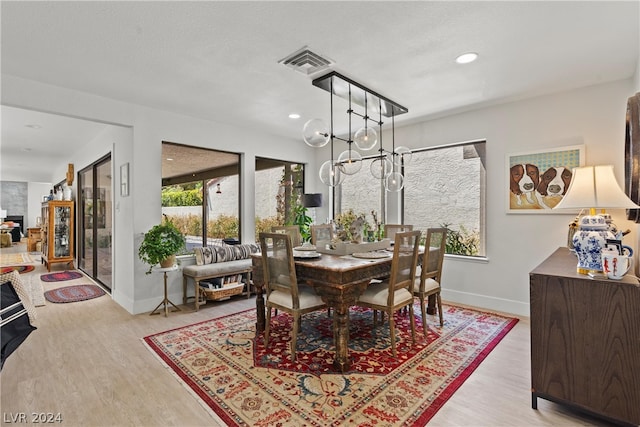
(354, 228)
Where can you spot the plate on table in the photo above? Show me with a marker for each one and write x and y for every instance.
(305, 248)
(306, 254)
(371, 255)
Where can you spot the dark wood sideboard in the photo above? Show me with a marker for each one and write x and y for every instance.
(585, 340)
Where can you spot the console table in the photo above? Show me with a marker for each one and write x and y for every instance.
(585, 340)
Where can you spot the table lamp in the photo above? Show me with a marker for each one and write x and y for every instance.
(312, 200)
(593, 187)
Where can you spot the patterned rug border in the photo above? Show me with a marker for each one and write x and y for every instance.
(183, 379)
(221, 416)
(16, 258)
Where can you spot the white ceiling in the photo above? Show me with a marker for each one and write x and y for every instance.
(219, 60)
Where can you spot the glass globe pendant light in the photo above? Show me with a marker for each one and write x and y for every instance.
(315, 133)
(394, 182)
(380, 167)
(331, 173)
(350, 161)
(403, 155)
(366, 137)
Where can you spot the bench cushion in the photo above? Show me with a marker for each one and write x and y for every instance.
(224, 253)
(217, 269)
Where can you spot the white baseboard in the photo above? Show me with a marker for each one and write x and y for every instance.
(517, 308)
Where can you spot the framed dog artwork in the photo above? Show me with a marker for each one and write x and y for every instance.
(537, 180)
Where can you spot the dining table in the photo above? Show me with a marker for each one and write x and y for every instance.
(339, 280)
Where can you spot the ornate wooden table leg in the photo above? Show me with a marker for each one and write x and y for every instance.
(258, 284)
(260, 314)
(341, 337)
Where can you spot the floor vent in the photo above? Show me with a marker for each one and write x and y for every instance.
(306, 62)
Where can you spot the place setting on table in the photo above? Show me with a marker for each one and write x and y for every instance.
(306, 251)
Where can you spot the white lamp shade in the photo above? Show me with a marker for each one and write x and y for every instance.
(595, 187)
(3, 213)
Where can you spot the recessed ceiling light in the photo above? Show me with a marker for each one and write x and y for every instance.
(169, 158)
(26, 149)
(294, 116)
(466, 58)
(33, 126)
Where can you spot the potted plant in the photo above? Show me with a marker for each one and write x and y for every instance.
(303, 221)
(160, 245)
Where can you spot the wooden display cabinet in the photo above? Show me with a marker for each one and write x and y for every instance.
(57, 232)
(34, 235)
(585, 340)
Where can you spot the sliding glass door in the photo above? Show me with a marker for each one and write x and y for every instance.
(95, 221)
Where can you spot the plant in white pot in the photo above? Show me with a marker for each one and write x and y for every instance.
(161, 244)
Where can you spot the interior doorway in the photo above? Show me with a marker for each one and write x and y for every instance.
(95, 221)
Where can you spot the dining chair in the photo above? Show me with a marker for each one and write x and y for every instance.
(429, 274)
(390, 230)
(281, 285)
(396, 292)
(322, 233)
(292, 230)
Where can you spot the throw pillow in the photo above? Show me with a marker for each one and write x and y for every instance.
(22, 292)
(205, 255)
(15, 321)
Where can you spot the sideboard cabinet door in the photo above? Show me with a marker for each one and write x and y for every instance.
(585, 340)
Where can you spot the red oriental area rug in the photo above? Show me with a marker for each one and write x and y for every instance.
(227, 368)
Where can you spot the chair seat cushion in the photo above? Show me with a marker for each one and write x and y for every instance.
(220, 268)
(429, 285)
(378, 293)
(307, 298)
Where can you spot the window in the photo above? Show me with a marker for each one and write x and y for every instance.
(201, 193)
(445, 186)
(352, 197)
(279, 186)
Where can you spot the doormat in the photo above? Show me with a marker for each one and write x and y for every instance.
(61, 276)
(19, 268)
(241, 383)
(15, 258)
(74, 293)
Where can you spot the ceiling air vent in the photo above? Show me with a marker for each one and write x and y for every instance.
(306, 61)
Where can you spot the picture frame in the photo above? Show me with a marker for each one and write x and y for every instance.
(536, 181)
(124, 180)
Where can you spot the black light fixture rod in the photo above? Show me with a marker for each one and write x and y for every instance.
(393, 143)
(349, 111)
(342, 139)
(391, 107)
(332, 135)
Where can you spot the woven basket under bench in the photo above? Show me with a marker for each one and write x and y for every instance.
(225, 292)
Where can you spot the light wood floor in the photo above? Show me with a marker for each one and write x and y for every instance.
(87, 362)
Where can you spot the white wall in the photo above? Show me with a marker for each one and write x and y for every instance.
(36, 191)
(516, 243)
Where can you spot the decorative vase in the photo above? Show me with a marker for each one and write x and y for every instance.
(66, 192)
(168, 262)
(588, 242)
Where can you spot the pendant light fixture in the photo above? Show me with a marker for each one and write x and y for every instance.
(387, 165)
(394, 182)
(330, 172)
(350, 160)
